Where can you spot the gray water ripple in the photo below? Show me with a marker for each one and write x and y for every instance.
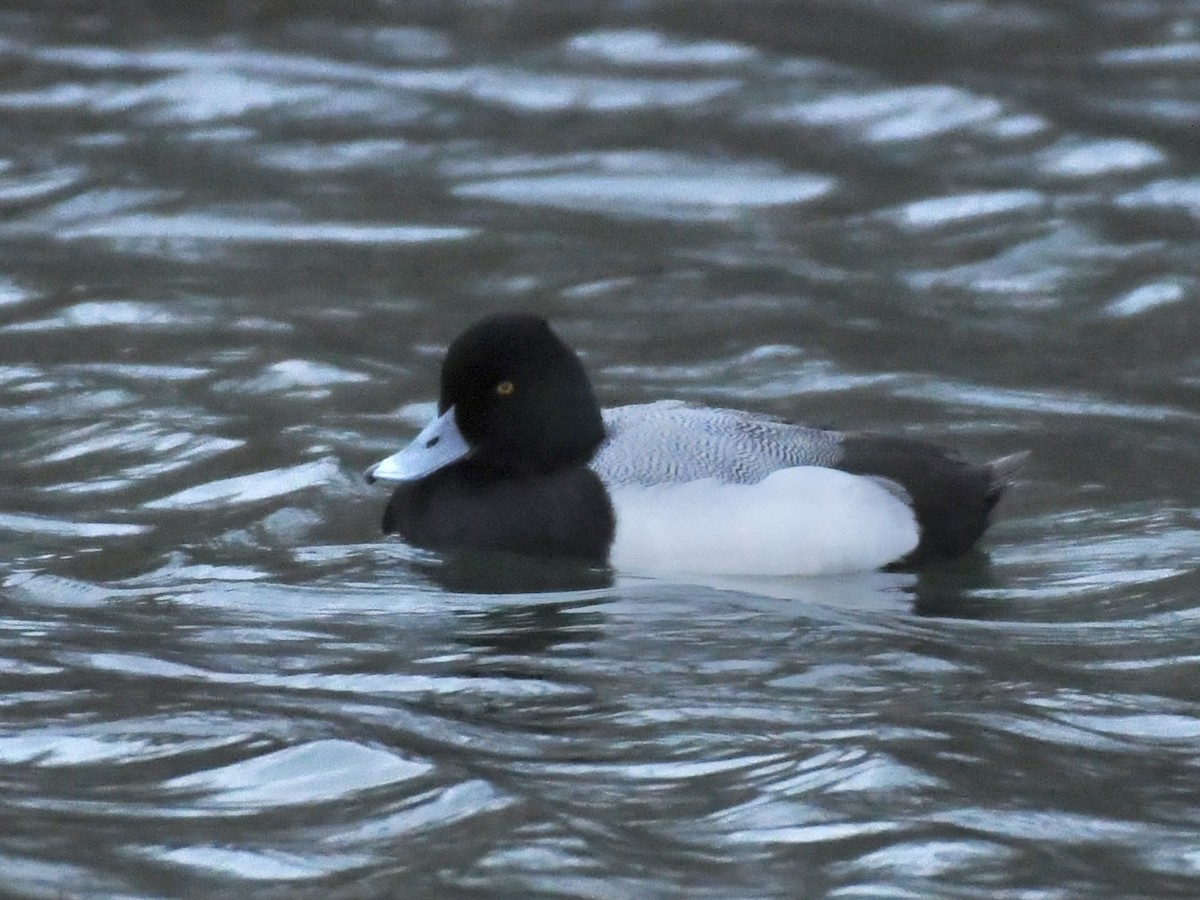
(316, 772)
(641, 49)
(653, 185)
(234, 254)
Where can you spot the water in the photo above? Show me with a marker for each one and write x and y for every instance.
(234, 247)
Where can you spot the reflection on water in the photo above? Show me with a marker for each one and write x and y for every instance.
(234, 250)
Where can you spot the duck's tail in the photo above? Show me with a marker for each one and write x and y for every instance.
(1004, 472)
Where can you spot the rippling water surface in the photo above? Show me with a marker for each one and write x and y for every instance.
(234, 246)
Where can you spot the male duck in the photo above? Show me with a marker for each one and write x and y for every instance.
(521, 458)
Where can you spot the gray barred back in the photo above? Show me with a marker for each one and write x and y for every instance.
(672, 441)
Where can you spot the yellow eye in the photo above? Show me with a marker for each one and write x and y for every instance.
(504, 388)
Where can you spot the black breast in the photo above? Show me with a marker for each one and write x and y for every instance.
(564, 514)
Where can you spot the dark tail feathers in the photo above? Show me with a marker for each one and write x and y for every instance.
(1004, 473)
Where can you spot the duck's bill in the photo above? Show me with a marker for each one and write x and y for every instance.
(438, 445)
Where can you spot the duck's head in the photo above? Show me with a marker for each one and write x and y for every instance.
(515, 401)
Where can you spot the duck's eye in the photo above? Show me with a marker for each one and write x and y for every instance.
(504, 388)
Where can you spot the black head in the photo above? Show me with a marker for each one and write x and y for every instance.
(521, 397)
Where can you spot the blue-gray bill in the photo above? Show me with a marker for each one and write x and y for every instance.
(439, 444)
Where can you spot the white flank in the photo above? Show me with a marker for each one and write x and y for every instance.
(805, 520)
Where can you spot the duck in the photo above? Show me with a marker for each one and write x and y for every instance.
(520, 458)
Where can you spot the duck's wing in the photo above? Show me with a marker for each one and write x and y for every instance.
(674, 442)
